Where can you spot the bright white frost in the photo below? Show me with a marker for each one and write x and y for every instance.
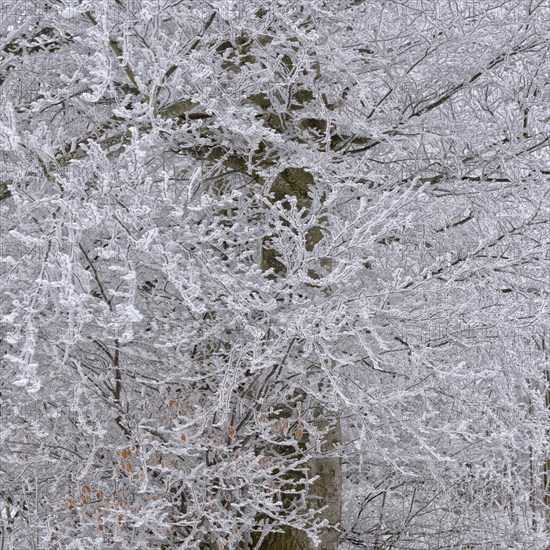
(226, 225)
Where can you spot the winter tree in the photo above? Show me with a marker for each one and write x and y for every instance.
(274, 274)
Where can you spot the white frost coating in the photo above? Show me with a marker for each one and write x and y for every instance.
(224, 225)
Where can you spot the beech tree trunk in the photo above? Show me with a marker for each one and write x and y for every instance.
(326, 491)
(289, 539)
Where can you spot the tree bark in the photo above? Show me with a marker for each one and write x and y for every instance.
(289, 539)
(326, 491)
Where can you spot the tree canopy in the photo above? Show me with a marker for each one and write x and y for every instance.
(274, 274)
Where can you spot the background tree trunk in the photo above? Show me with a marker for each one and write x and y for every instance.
(326, 491)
